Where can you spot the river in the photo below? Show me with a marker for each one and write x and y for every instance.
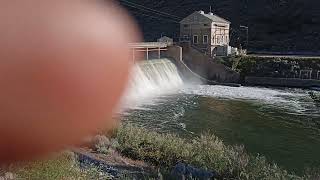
(281, 124)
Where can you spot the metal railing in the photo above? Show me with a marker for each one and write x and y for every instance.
(148, 45)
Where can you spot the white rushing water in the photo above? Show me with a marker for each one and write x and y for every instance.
(295, 100)
(152, 79)
(244, 93)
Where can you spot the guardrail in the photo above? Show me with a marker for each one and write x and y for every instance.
(148, 45)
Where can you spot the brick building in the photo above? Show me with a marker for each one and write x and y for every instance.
(208, 32)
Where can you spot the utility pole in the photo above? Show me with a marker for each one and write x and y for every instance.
(247, 30)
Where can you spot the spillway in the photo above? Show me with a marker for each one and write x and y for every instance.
(151, 79)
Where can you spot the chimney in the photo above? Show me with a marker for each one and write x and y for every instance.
(201, 12)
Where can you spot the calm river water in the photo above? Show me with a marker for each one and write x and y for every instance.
(282, 124)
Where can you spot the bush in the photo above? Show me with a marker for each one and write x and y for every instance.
(312, 174)
(230, 61)
(101, 144)
(161, 150)
(206, 151)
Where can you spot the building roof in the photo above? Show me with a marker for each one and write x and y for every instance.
(216, 18)
(208, 17)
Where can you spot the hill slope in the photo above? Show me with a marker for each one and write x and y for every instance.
(275, 25)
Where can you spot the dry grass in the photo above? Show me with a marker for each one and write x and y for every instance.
(64, 167)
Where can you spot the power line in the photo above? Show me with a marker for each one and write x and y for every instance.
(147, 9)
(153, 13)
(164, 16)
(155, 17)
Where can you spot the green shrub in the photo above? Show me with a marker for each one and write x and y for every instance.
(259, 168)
(206, 151)
(245, 67)
(161, 150)
(312, 174)
(101, 144)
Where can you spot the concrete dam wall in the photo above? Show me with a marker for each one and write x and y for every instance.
(201, 65)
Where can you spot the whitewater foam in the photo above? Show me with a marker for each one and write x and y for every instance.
(151, 80)
(294, 100)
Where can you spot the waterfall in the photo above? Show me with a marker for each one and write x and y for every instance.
(151, 79)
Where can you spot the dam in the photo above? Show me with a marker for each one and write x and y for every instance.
(193, 64)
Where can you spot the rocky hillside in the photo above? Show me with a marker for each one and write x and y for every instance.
(275, 25)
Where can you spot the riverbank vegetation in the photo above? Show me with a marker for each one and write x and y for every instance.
(278, 67)
(163, 152)
(206, 151)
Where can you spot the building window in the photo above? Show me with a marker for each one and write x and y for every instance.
(220, 26)
(185, 25)
(218, 40)
(227, 39)
(195, 39)
(222, 39)
(205, 39)
(206, 25)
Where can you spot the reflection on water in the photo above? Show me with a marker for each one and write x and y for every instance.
(283, 125)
